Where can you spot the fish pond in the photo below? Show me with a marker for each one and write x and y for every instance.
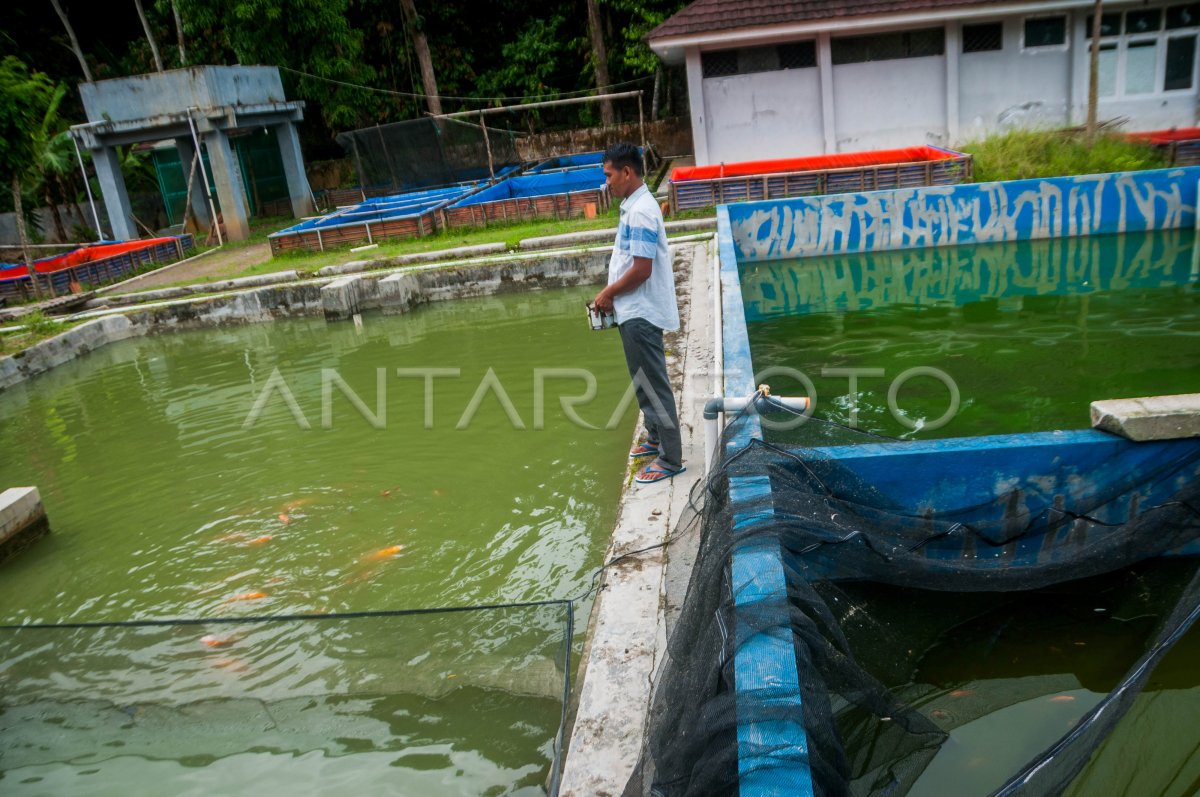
(987, 339)
(466, 454)
(998, 339)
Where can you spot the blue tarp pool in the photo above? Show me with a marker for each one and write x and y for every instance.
(388, 207)
(535, 185)
(580, 161)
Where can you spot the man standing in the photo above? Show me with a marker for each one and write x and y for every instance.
(641, 291)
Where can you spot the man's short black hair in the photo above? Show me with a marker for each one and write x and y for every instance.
(624, 154)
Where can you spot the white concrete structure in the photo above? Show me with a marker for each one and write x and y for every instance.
(789, 79)
(20, 508)
(1149, 418)
(198, 105)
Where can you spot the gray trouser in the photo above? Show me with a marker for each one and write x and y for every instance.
(647, 363)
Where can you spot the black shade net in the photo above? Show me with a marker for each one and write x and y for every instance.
(87, 699)
(896, 647)
(426, 153)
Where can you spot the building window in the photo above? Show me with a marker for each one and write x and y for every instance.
(889, 46)
(1148, 20)
(1181, 57)
(1141, 59)
(719, 64)
(1139, 45)
(800, 55)
(748, 60)
(1187, 16)
(1045, 31)
(1110, 24)
(982, 38)
(1106, 82)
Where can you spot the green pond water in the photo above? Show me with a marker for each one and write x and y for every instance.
(205, 475)
(1005, 675)
(1029, 333)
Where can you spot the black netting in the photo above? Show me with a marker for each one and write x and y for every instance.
(424, 153)
(379, 697)
(898, 646)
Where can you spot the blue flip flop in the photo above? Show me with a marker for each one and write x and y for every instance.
(643, 450)
(652, 473)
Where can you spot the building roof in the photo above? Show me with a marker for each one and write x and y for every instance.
(707, 16)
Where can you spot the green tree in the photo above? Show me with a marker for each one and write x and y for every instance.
(26, 98)
(53, 159)
(531, 63)
(638, 18)
(310, 36)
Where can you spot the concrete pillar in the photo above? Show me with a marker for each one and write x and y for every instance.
(342, 299)
(228, 179)
(112, 188)
(398, 293)
(1078, 69)
(695, 84)
(22, 520)
(293, 168)
(825, 74)
(953, 48)
(187, 151)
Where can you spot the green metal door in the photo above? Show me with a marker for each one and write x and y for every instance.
(172, 181)
(261, 167)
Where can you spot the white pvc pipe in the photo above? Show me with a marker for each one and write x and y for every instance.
(712, 428)
(88, 186)
(796, 404)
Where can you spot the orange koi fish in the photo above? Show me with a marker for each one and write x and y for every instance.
(263, 540)
(248, 596)
(385, 553)
(962, 693)
(232, 665)
(214, 641)
(1062, 699)
(284, 519)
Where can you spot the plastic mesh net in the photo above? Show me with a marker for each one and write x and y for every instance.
(423, 153)
(390, 697)
(908, 624)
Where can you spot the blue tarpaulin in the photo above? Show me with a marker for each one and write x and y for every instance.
(388, 207)
(533, 185)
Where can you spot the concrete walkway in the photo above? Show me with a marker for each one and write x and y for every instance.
(627, 630)
(219, 262)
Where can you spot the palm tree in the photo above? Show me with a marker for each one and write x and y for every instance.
(24, 98)
(52, 158)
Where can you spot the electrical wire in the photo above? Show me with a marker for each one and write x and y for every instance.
(413, 95)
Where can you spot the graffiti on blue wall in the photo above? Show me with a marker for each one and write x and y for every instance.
(860, 281)
(911, 218)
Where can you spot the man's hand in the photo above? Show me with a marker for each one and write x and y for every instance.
(603, 301)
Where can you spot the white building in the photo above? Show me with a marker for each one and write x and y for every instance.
(772, 78)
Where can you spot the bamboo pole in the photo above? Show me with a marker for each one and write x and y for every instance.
(488, 142)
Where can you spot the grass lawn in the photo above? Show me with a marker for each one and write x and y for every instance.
(37, 328)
